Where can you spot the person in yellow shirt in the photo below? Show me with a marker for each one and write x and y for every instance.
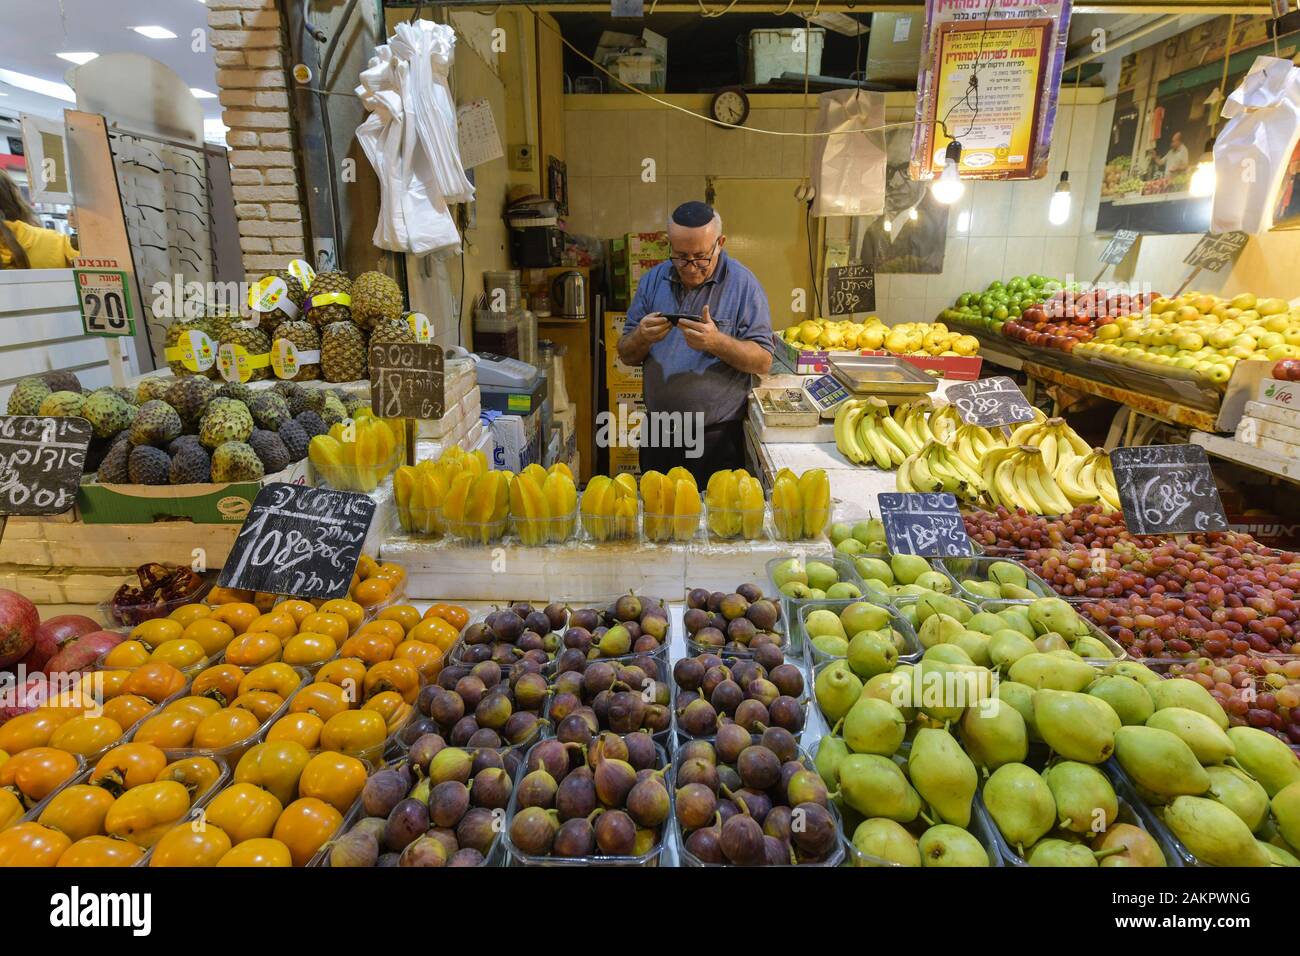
(24, 244)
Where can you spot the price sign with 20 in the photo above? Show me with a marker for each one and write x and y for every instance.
(105, 298)
(1167, 489)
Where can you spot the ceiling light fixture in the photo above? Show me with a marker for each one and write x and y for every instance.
(947, 187)
(1058, 210)
(155, 32)
(34, 84)
(77, 58)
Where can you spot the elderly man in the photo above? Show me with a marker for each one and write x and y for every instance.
(700, 326)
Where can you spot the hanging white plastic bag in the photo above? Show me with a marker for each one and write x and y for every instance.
(1252, 151)
(848, 169)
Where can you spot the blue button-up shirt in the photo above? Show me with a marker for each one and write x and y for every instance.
(679, 378)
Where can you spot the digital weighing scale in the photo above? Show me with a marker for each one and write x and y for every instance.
(826, 393)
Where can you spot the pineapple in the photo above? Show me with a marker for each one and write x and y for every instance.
(375, 297)
(305, 338)
(325, 284)
(297, 294)
(343, 352)
(254, 341)
(391, 330)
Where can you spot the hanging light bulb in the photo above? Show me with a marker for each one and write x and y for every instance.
(911, 214)
(1059, 209)
(1203, 179)
(947, 187)
(889, 225)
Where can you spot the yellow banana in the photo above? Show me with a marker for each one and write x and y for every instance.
(1044, 485)
(903, 475)
(874, 443)
(1047, 445)
(919, 474)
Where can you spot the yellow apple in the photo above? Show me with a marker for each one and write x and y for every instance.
(1277, 323)
(1292, 335)
(1219, 374)
(1271, 306)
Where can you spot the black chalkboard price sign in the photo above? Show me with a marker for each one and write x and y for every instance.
(41, 459)
(850, 289)
(300, 541)
(406, 380)
(1215, 250)
(928, 525)
(1118, 247)
(989, 402)
(1167, 489)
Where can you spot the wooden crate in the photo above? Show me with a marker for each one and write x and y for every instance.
(59, 544)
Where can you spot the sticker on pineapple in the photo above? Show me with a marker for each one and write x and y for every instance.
(331, 298)
(420, 326)
(194, 350)
(301, 270)
(287, 360)
(269, 294)
(237, 364)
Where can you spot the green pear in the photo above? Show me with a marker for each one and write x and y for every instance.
(1085, 800)
(874, 569)
(817, 594)
(875, 592)
(1007, 572)
(791, 569)
(934, 581)
(908, 567)
(843, 591)
(1060, 853)
(948, 846)
(934, 603)
(1181, 692)
(938, 629)
(840, 531)
(1213, 833)
(908, 613)
(994, 734)
(985, 623)
(1013, 592)
(947, 654)
(1020, 803)
(1092, 649)
(885, 840)
(894, 687)
(797, 590)
(937, 690)
(1138, 672)
(1160, 762)
(824, 621)
(863, 616)
(870, 653)
(836, 688)
(1017, 618)
(1054, 673)
(873, 727)
(831, 646)
(943, 775)
(1264, 757)
(1136, 847)
(1239, 793)
(1007, 646)
(974, 644)
(1021, 697)
(1126, 697)
(1278, 856)
(1076, 726)
(1053, 614)
(821, 575)
(871, 531)
(830, 751)
(1208, 742)
(1286, 810)
(875, 787)
(1049, 642)
(984, 589)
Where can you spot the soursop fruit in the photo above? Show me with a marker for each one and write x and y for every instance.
(190, 465)
(27, 396)
(236, 461)
(155, 423)
(190, 397)
(270, 449)
(311, 423)
(62, 381)
(147, 465)
(321, 312)
(153, 387)
(225, 423)
(333, 411)
(305, 338)
(113, 469)
(269, 411)
(295, 439)
(238, 391)
(375, 297)
(108, 413)
(176, 444)
(67, 404)
(343, 352)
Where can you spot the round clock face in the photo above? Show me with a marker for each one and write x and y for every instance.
(730, 106)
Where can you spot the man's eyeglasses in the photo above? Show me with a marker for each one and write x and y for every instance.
(698, 262)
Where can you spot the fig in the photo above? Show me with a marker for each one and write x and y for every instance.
(493, 710)
(696, 806)
(507, 627)
(447, 837)
(477, 830)
(532, 831)
(732, 739)
(781, 742)
(574, 838)
(449, 676)
(752, 715)
(576, 796)
(483, 759)
(769, 656)
(480, 632)
(530, 691)
(417, 729)
(657, 718)
(688, 673)
(424, 700)
(817, 835)
(697, 598)
(626, 711)
(758, 767)
(777, 823)
(489, 672)
(728, 778)
(613, 779)
(388, 859)
(705, 845)
(608, 745)
(762, 690)
(556, 616)
(464, 729)
(599, 675)
(382, 792)
(786, 713)
(490, 789)
(466, 857)
(373, 825)
(776, 852)
(585, 618)
(571, 660)
(647, 802)
(696, 749)
(754, 803)
(741, 630)
(788, 680)
(699, 719)
(713, 676)
(574, 729)
(709, 637)
(505, 654)
(406, 823)
(600, 706)
(530, 641)
(538, 622)
(562, 705)
(522, 727)
(640, 750)
(470, 688)
(750, 592)
(615, 833)
(806, 786)
(425, 748)
(451, 763)
(484, 737)
(448, 802)
(627, 608)
(355, 849)
(698, 771)
(645, 644)
(742, 841)
(537, 789)
(426, 851)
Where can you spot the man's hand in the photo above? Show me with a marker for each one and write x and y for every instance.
(635, 345)
(654, 327)
(702, 335)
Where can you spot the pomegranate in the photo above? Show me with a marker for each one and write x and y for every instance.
(18, 623)
(30, 694)
(82, 652)
(53, 634)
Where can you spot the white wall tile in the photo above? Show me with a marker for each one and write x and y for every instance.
(609, 144)
(647, 205)
(581, 197)
(577, 132)
(647, 138)
(985, 261)
(990, 207)
(685, 141)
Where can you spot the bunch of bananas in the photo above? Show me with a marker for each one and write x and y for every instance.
(544, 504)
(419, 490)
(953, 466)
(608, 507)
(357, 455)
(476, 506)
(735, 500)
(1018, 476)
(865, 431)
(1088, 478)
(801, 506)
(672, 505)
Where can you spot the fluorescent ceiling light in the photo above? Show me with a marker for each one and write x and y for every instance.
(155, 33)
(77, 58)
(202, 94)
(34, 84)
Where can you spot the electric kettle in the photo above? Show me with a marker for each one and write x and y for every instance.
(569, 296)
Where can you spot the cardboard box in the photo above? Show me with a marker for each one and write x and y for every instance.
(1272, 391)
(206, 503)
(624, 460)
(647, 245)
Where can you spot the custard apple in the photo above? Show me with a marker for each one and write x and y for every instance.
(148, 465)
(156, 423)
(225, 423)
(190, 397)
(270, 449)
(236, 461)
(107, 413)
(62, 403)
(190, 464)
(311, 423)
(295, 440)
(269, 410)
(113, 469)
(27, 396)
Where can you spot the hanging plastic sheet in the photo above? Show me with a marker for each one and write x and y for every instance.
(849, 168)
